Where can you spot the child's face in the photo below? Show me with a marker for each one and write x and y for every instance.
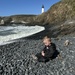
(46, 42)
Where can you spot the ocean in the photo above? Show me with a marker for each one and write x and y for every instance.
(9, 34)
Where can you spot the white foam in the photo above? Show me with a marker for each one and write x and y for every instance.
(17, 32)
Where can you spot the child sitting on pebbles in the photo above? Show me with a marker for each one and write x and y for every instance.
(48, 53)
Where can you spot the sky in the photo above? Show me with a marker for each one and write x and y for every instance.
(32, 7)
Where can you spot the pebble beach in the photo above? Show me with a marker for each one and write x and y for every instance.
(16, 58)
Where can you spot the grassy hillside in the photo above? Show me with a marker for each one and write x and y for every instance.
(59, 12)
(60, 18)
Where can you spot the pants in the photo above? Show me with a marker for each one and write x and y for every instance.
(46, 59)
(42, 58)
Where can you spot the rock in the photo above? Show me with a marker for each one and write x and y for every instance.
(2, 21)
(58, 38)
(66, 43)
(62, 25)
(1, 70)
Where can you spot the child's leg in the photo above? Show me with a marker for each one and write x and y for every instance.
(40, 57)
(59, 56)
(37, 56)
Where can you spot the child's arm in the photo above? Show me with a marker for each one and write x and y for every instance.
(43, 53)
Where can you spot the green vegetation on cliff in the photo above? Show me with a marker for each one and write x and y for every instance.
(59, 12)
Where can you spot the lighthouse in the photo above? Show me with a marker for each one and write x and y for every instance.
(43, 9)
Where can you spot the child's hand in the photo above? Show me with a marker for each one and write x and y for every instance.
(43, 54)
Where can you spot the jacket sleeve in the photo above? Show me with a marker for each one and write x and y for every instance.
(53, 46)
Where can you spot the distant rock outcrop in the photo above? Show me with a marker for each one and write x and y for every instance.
(22, 18)
(5, 20)
(18, 19)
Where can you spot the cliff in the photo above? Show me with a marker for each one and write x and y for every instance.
(59, 19)
(59, 12)
(17, 19)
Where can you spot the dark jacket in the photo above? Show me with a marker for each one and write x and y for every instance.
(49, 50)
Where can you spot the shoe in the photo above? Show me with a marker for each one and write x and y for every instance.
(59, 56)
(34, 57)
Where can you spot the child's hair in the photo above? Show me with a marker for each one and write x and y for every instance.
(46, 37)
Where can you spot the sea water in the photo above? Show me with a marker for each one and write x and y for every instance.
(9, 34)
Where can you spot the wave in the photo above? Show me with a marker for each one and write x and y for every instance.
(9, 33)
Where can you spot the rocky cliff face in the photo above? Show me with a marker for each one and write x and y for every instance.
(17, 19)
(59, 12)
(23, 18)
(59, 19)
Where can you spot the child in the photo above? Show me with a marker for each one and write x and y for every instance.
(49, 51)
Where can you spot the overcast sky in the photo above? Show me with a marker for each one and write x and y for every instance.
(13, 7)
